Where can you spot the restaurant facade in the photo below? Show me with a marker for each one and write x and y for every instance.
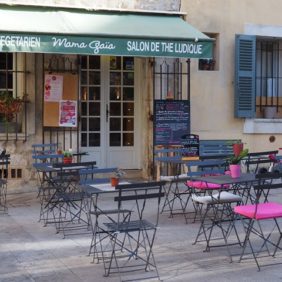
(92, 71)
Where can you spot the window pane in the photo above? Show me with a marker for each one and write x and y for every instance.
(128, 93)
(115, 109)
(83, 77)
(83, 94)
(84, 108)
(3, 80)
(94, 62)
(84, 140)
(128, 124)
(128, 63)
(94, 78)
(115, 63)
(94, 93)
(115, 124)
(128, 139)
(128, 109)
(10, 80)
(83, 62)
(84, 124)
(115, 78)
(94, 109)
(115, 93)
(115, 139)
(94, 139)
(94, 124)
(128, 78)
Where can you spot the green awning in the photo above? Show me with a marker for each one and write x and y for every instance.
(72, 31)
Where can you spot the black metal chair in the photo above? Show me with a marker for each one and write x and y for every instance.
(131, 237)
(260, 162)
(4, 166)
(254, 216)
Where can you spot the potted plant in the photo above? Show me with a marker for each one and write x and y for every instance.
(67, 156)
(117, 175)
(237, 146)
(235, 163)
(9, 107)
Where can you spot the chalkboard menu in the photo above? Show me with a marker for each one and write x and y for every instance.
(171, 121)
(191, 145)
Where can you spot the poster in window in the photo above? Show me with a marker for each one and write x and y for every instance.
(68, 113)
(53, 88)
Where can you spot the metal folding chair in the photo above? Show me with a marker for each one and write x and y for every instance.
(4, 166)
(131, 238)
(254, 218)
(213, 204)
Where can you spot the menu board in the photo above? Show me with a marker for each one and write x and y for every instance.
(191, 145)
(171, 121)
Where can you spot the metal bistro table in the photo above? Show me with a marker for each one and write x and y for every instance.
(216, 208)
(241, 185)
(60, 183)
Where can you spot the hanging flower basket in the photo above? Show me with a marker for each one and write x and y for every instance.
(10, 106)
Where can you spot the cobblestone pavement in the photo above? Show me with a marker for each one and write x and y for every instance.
(31, 252)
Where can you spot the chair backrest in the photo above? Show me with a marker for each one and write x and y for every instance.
(267, 182)
(48, 158)
(205, 167)
(42, 149)
(143, 198)
(96, 175)
(259, 161)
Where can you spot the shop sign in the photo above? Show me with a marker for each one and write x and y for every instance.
(90, 45)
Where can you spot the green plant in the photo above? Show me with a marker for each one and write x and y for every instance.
(10, 105)
(236, 159)
(67, 154)
(119, 173)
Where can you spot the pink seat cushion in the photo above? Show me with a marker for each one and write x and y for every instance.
(264, 210)
(204, 185)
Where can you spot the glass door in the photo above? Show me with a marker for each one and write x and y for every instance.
(108, 114)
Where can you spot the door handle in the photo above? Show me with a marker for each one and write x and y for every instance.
(107, 113)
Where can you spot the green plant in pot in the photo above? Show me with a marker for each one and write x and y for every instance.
(235, 163)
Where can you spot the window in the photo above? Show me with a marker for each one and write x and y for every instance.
(13, 77)
(6, 72)
(258, 81)
(211, 64)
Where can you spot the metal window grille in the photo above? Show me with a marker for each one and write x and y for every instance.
(268, 74)
(13, 71)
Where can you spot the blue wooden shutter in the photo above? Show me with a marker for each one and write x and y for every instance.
(245, 56)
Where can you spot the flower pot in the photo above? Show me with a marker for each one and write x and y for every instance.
(114, 181)
(235, 170)
(238, 148)
(67, 160)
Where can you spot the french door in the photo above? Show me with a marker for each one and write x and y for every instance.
(108, 111)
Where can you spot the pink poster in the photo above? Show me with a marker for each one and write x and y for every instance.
(53, 88)
(68, 113)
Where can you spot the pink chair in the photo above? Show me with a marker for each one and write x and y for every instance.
(253, 216)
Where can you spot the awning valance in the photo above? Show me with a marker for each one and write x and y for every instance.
(71, 31)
